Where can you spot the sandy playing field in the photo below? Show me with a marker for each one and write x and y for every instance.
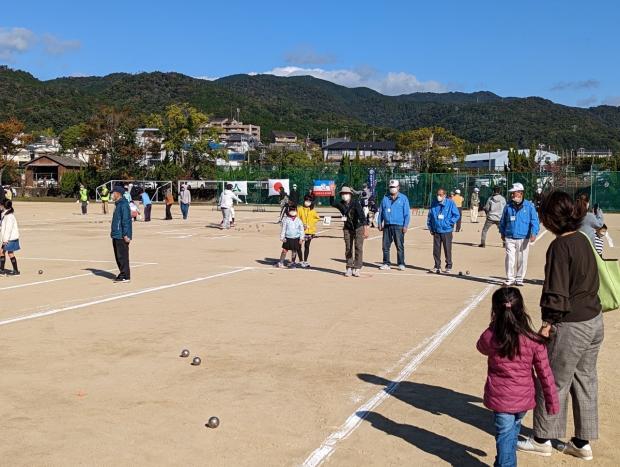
(299, 365)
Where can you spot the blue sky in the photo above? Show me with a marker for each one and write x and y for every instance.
(566, 51)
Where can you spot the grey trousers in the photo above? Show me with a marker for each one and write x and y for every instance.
(445, 240)
(487, 225)
(573, 352)
(354, 241)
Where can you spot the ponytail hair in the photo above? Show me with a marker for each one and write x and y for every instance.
(560, 214)
(8, 207)
(509, 321)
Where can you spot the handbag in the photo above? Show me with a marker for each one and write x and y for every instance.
(609, 280)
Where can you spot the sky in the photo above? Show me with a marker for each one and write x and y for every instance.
(566, 51)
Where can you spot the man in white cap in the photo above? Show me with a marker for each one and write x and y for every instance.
(394, 217)
(474, 205)
(458, 201)
(518, 226)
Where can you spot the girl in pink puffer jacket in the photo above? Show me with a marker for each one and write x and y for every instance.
(514, 351)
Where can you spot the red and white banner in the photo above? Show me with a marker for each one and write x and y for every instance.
(276, 183)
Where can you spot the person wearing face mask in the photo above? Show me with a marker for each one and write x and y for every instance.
(291, 236)
(474, 205)
(355, 230)
(518, 226)
(309, 217)
(458, 200)
(394, 217)
(442, 216)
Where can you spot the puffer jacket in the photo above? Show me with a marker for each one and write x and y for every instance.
(510, 383)
(442, 216)
(519, 222)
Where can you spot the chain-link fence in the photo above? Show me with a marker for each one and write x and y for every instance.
(420, 188)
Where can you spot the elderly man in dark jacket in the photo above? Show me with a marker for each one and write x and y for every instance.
(121, 233)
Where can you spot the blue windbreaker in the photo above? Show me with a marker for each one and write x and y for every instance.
(395, 212)
(121, 220)
(519, 224)
(449, 213)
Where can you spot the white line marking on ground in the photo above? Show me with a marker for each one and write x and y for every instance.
(610, 240)
(71, 260)
(328, 447)
(47, 281)
(54, 311)
(375, 237)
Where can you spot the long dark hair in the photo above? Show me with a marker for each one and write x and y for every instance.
(509, 320)
(8, 207)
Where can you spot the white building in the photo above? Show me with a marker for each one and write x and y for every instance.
(498, 160)
(385, 150)
(151, 141)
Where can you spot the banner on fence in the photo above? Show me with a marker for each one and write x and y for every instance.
(324, 188)
(239, 188)
(372, 180)
(276, 183)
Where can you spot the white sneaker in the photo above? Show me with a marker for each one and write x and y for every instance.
(531, 446)
(509, 283)
(279, 264)
(384, 267)
(401, 267)
(356, 273)
(447, 271)
(585, 453)
(434, 271)
(349, 272)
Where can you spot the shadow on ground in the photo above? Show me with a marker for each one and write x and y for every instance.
(101, 273)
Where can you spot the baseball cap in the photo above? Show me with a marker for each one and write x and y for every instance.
(458, 192)
(394, 184)
(476, 190)
(516, 187)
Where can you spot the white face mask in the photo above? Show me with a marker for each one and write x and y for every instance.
(346, 197)
(393, 190)
(292, 213)
(307, 204)
(440, 198)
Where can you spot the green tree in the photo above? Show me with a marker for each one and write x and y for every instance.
(74, 138)
(431, 149)
(12, 138)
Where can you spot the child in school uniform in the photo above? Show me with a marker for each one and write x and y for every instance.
(514, 350)
(309, 217)
(292, 237)
(9, 233)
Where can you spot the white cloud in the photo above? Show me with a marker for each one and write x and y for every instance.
(575, 85)
(393, 83)
(307, 55)
(14, 41)
(207, 78)
(55, 46)
(612, 100)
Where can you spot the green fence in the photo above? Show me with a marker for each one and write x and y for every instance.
(420, 188)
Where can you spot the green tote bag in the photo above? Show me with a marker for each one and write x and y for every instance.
(609, 278)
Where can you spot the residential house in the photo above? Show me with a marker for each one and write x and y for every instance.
(498, 160)
(225, 127)
(49, 169)
(151, 141)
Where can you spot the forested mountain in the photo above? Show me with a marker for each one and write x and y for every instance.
(308, 105)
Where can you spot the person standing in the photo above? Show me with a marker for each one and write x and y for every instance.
(593, 220)
(494, 208)
(169, 202)
(309, 217)
(474, 205)
(226, 202)
(147, 204)
(355, 230)
(121, 233)
(294, 196)
(538, 196)
(185, 199)
(284, 203)
(394, 217)
(442, 216)
(84, 199)
(572, 319)
(104, 195)
(9, 235)
(458, 201)
(518, 226)
(127, 193)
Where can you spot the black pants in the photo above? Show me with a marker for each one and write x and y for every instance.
(442, 240)
(393, 234)
(306, 251)
(147, 212)
(168, 212)
(121, 253)
(84, 207)
(458, 223)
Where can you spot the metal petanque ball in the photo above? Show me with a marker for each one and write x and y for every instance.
(40, 271)
(460, 273)
(213, 422)
(196, 361)
(467, 272)
(184, 353)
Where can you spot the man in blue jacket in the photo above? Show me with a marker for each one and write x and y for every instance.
(442, 216)
(394, 216)
(121, 233)
(518, 226)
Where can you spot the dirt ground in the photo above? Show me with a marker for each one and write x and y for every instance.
(91, 373)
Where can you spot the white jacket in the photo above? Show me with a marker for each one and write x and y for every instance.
(8, 229)
(228, 198)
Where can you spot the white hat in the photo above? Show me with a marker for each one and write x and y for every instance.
(538, 190)
(476, 190)
(516, 187)
(458, 192)
(394, 184)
